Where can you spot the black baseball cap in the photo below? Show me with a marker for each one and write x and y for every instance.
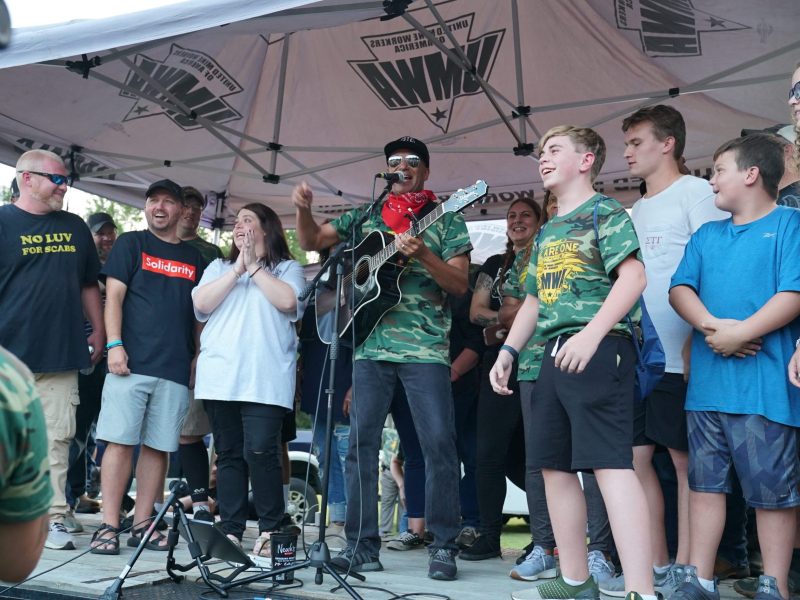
(193, 192)
(167, 185)
(96, 221)
(409, 143)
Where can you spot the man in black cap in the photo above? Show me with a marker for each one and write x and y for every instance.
(90, 388)
(151, 342)
(104, 232)
(192, 453)
(408, 346)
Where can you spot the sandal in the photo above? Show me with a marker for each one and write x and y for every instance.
(262, 547)
(154, 543)
(102, 543)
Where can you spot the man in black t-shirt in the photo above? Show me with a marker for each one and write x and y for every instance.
(192, 453)
(48, 281)
(151, 330)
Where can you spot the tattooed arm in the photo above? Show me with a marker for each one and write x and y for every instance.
(479, 311)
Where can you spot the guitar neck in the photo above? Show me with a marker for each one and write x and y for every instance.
(416, 229)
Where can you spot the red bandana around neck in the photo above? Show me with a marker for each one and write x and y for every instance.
(397, 207)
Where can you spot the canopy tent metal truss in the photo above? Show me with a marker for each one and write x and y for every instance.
(245, 110)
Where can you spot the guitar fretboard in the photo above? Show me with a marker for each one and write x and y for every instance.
(390, 250)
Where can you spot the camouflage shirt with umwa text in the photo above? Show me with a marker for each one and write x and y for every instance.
(573, 272)
(530, 357)
(417, 329)
(25, 490)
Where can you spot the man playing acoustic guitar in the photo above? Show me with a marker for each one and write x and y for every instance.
(409, 344)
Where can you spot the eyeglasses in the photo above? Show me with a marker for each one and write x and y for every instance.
(795, 92)
(54, 177)
(412, 160)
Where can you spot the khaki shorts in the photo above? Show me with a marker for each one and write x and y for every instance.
(139, 409)
(196, 423)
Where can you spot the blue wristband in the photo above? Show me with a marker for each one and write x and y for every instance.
(111, 345)
(511, 350)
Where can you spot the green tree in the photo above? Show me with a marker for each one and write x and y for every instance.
(127, 218)
(5, 194)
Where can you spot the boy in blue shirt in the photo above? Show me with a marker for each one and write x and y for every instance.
(738, 285)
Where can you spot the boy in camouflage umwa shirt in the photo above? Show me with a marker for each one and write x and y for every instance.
(584, 287)
(25, 490)
(408, 347)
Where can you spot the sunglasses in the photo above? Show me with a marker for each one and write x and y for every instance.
(55, 178)
(795, 92)
(412, 160)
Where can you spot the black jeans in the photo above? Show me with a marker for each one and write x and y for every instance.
(90, 390)
(500, 448)
(247, 437)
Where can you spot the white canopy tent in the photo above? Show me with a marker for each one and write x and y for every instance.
(243, 99)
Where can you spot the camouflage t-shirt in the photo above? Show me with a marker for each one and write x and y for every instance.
(25, 490)
(572, 274)
(210, 252)
(417, 329)
(530, 357)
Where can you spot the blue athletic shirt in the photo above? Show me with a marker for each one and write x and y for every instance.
(735, 270)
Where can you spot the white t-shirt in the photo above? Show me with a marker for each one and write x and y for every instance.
(664, 223)
(248, 348)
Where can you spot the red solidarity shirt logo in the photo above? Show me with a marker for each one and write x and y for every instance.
(170, 268)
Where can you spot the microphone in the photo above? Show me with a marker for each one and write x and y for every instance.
(397, 176)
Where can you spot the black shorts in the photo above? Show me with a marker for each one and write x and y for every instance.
(585, 421)
(661, 419)
(289, 429)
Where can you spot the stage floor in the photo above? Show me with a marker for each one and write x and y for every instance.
(88, 575)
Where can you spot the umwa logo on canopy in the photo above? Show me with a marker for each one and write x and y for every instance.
(410, 72)
(192, 77)
(670, 27)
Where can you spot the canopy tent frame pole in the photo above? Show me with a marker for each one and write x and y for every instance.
(703, 82)
(275, 146)
(523, 109)
(461, 60)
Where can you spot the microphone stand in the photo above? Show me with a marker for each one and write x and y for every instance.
(319, 556)
(179, 489)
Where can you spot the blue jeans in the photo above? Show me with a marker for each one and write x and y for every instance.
(413, 458)
(337, 492)
(428, 392)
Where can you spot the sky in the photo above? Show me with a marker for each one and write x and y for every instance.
(25, 13)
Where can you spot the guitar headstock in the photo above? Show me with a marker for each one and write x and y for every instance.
(463, 198)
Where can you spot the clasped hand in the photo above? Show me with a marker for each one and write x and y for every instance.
(724, 336)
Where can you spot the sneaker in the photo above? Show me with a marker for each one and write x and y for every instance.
(600, 569)
(665, 583)
(87, 505)
(525, 551)
(442, 564)
(558, 589)
(483, 548)
(201, 513)
(725, 569)
(408, 540)
(71, 524)
(537, 565)
(466, 537)
(359, 562)
(767, 589)
(749, 587)
(58, 538)
(691, 589)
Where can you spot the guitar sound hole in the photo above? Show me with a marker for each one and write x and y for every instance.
(361, 272)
